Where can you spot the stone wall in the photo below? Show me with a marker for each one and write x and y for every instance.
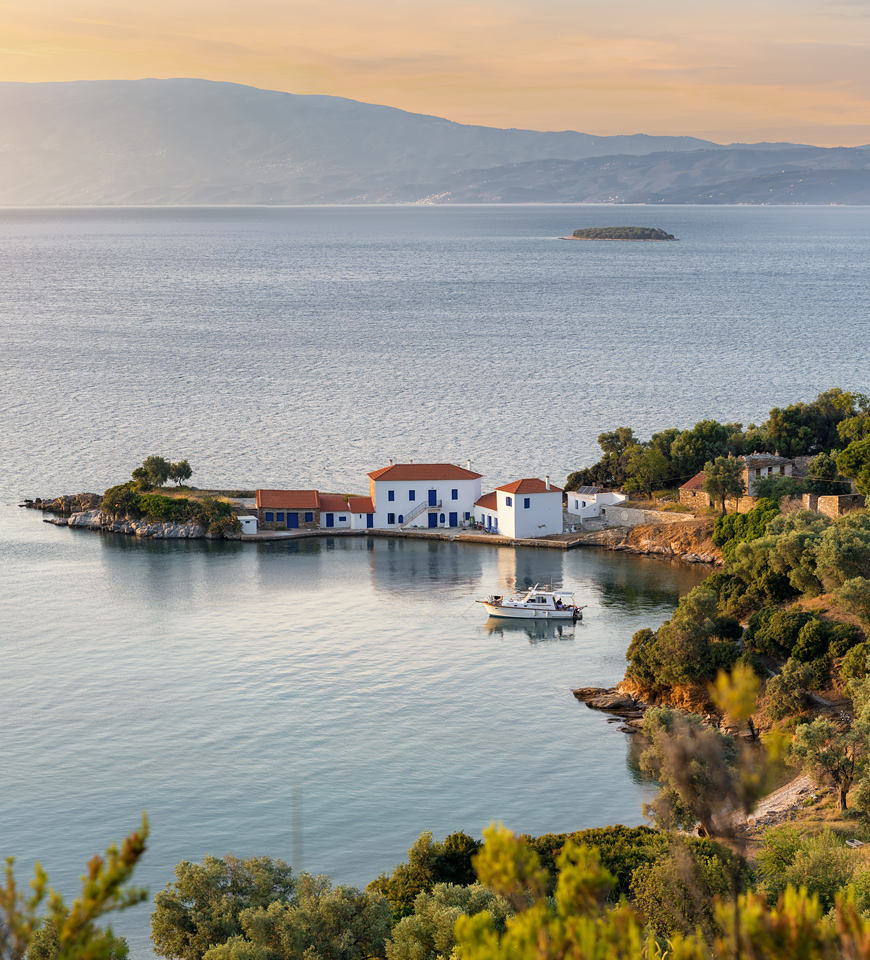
(621, 516)
(696, 499)
(276, 524)
(836, 506)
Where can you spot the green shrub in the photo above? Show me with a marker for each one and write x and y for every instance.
(843, 636)
(821, 670)
(854, 664)
(734, 528)
(812, 641)
(774, 631)
(786, 693)
(854, 597)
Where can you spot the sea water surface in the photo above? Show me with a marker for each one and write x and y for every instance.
(327, 701)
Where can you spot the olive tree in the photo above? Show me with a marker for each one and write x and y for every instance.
(723, 479)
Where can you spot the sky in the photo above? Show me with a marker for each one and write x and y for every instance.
(796, 70)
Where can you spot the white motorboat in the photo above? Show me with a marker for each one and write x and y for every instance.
(536, 604)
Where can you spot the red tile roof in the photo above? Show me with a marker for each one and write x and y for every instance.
(424, 471)
(695, 483)
(529, 485)
(333, 503)
(361, 505)
(288, 499)
(488, 501)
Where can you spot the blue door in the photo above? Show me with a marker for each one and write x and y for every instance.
(370, 520)
(433, 498)
(489, 523)
(292, 521)
(433, 520)
(454, 519)
(330, 519)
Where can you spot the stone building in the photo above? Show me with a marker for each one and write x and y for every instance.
(288, 509)
(756, 466)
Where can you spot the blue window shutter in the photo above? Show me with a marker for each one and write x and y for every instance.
(412, 495)
(309, 517)
(401, 518)
(391, 518)
(391, 494)
(467, 516)
(280, 517)
(509, 501)
(454, 494)
(527, 502)
(342, 519)
(270, 516)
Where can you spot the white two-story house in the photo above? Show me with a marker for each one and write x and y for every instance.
(427, 495)
(523, 509)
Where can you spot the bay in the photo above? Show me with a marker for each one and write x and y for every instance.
(327, 702)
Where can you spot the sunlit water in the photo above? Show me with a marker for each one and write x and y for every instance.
(327, 701)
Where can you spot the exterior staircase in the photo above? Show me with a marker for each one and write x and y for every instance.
(420, 508)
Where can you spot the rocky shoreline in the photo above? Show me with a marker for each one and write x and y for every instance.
(688, 541)
(82, 510)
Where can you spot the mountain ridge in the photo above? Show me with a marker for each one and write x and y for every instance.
(191, 141)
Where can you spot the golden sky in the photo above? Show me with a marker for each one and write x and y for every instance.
(766, 70)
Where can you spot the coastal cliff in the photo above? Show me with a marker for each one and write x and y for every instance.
(689, 541)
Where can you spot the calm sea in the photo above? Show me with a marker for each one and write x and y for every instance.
(326, 702)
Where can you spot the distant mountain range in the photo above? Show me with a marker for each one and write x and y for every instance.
(200, 142)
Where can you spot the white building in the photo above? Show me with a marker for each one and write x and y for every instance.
(427, 495)
(589, 502)
(522, 509)
(362, 513)
(334, 512)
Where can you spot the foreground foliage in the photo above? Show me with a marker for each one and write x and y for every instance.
(71, 932)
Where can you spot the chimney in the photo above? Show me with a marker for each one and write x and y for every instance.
(391, 461)
(468, 464)
(548, 481)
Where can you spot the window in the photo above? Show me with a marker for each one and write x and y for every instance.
(270, 516)
(442, 518)
(391, 495)
(342, 519)
(509, 501)
(576, 504)
(391, 518)
(467, 516)
(584, 503)
(309, 517)
(412, 495)
(454, 494)
(280, 518)
(401, 518)
(527, 502)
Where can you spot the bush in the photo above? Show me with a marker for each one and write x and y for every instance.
(822, 864)
(734, 528)
(821, 672)
(843, 636)
(812, 641)
(621, 851)
(854, 597)
(430, 862)
(787, 692)
(854, 664)
(774, 631)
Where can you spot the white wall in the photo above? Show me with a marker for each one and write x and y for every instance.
(338, 522)
(593, 503)
(542, 516)
(481, 514)
(467, 492)
(358, 521)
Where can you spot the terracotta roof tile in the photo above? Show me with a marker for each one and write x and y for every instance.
(288, 499)
(489, 501)
(424, 471)
(529, 485)
(361, 505)
(333, 503)
(695, 483)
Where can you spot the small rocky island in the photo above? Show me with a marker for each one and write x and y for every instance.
(620, 233)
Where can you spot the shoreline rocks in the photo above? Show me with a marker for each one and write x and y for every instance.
(105, 522)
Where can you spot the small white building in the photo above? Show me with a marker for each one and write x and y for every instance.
(362, 513)
(523, 509)
(249, 524)
(334, 512)
(423, 495)
(589, 502)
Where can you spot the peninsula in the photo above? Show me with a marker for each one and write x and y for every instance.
(620, 233)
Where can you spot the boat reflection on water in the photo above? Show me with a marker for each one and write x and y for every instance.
(536, 630)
